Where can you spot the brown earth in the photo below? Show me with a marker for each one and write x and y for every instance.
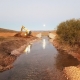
(71, 72)
(7, 34)
(9, 43)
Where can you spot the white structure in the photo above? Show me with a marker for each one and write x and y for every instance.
(39, 35)
(51, 35)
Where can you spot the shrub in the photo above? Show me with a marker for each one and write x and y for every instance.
(69, 32)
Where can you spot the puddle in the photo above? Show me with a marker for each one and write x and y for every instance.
(42, 62)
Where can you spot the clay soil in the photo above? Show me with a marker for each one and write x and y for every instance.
(9, 43)
(71, 72)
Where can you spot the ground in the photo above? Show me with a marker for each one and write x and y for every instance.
(71, 72)
(8, 43)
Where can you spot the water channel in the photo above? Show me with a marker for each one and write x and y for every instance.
(40, 63)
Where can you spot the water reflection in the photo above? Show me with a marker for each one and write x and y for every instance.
(44, 43)
(36, 65)
(28, 49)
(65, 60)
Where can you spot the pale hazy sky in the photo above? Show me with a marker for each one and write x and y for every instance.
(37, 14)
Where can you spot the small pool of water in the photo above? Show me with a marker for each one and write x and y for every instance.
(39, 64)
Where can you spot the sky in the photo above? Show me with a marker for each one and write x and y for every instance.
(37, 14)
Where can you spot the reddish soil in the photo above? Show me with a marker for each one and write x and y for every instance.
(71, 72)
(9, 43)
(7, 34)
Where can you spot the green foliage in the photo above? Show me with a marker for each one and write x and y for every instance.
(69, 32)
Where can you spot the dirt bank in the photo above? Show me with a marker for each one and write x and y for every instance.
(66, 48)
(71, 72)
(6, 46)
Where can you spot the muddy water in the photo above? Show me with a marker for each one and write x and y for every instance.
(39, 64)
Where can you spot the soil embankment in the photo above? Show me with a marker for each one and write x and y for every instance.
(9, 44)
(71, 72)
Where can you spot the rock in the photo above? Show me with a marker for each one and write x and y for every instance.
(18, 51)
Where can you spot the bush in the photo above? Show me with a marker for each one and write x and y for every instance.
(69, 32)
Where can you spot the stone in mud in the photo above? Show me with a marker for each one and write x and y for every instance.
(17, 52)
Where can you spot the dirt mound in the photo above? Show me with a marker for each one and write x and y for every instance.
(7, 47)
(72, 73)
(20, 34)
